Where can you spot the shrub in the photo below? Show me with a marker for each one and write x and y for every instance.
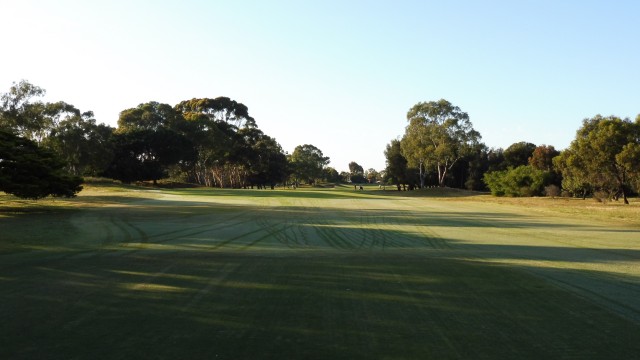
(521, 181)
(552, 190)
(601, 196)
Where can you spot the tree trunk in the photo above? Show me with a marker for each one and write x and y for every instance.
(442, 172)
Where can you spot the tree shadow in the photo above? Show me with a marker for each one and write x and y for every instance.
(317, 305)
(183, 279)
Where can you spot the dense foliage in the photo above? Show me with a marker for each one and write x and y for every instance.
(524, 180)
(46, 147)
(605, 156)
(31, 172)
(438, 135)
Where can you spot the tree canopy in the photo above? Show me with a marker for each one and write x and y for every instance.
(518, 154)
(29, 171)
(308, 162)
(438, 135)
(603, 156)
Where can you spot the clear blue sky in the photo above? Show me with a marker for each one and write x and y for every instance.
(340, 75)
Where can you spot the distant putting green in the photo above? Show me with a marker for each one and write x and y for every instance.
(131, 273)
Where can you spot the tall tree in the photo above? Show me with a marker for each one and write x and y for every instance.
(575, 176)
(265, 161)
(518, 154)
(82, 144)
(147, 154)
(21, 113)
(603, 153)
(356, 173)
(214, 125)
(307, 162)
(331, 175)
(396, 170)
(438, 135)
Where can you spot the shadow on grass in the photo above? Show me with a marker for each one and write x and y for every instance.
(207, 280)
(315, 306)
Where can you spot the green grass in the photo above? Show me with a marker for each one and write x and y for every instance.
(125, 272)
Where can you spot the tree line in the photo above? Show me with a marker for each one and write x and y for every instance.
(46, 149)
(441, 148)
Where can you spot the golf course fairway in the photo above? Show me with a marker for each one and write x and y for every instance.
(139, 273)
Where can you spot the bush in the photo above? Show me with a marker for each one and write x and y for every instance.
(552, 190)
(601, 196)
(521, 181)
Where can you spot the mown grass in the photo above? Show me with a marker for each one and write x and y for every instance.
(126, 272)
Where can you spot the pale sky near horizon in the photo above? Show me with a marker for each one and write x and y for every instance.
(340, 75)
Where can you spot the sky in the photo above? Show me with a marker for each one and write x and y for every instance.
(338, 74)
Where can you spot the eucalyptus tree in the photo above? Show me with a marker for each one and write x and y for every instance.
(308, 162)
(604, 155)
(267, 163)
(215, 126)
(150, 139)
(150, 116)
(23, 113)
(438, 135)
(144, 154)
(82, 144)
(220, 109)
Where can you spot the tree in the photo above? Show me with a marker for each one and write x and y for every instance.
(603, 155)
(371, 175)
(355, 168)
(214, 125)
(82, 144)
(438, 135)
(518, 154)
(356, 173)
(19, 114)
(396, 170)
(150, 116)
(345, 176)
(307, 162)
(331, 175)
(474, 166)
(31, 172)
(219, 109)
(147, 154)
(575, 177)
(266, 161)
(542, 157)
